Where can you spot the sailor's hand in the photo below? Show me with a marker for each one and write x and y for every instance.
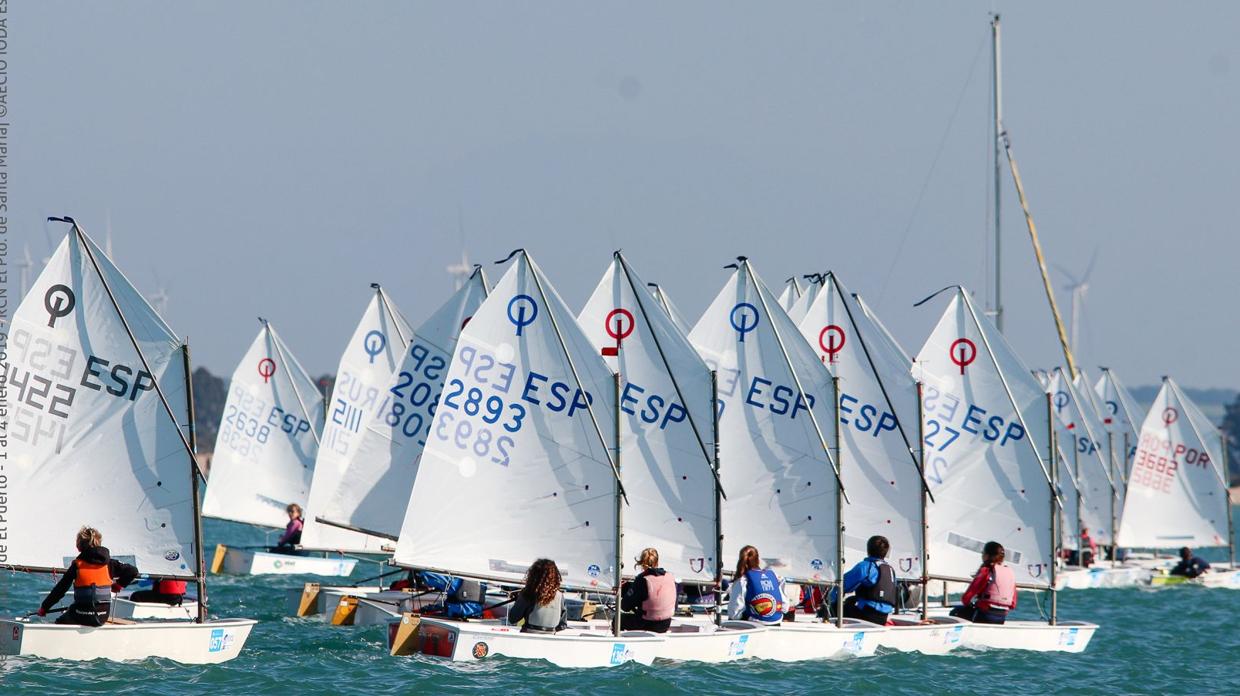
(42, 611)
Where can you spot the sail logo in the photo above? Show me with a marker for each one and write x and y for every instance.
(966, 354)
(59, 302)
(744, 318)
(1061, 400)
(594, 571)
(373, 344)
(266, 368)
(831, 339)
(1170, 415)
(618, 324)
(522, 311)
(1114, 409)
(172, 556)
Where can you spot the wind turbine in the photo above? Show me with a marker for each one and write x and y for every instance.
(23, 270)
(1077, 288)
(159, 300)
(461, 271)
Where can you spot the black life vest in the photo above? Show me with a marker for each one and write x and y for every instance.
(882, 591)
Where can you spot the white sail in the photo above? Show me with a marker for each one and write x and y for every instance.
(362, 379)
(878, 412)
(891, 339)
(374, 488)
(660, 296)
(91, 442)
(1086, 455)
(1069, 530)
(1112, 442)
(666, 424)
(798, 309)
(987, 438)
(791, 293)
(776, 420)
(268, 437)
(1121, 416)
(517, 466)
(1176, 494)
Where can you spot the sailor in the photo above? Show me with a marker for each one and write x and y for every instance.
(462, 597)
(540, 603)
(292, 531)
(756, 593)
(163, 591)
(873, 582)
(992, 594)
(1089, 548)
(649, 600)
(1190, 566)
(93, 575)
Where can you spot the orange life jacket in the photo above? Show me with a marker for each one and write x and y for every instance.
(92, 584)
(170, 587)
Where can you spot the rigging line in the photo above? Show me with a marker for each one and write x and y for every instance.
(925, 185)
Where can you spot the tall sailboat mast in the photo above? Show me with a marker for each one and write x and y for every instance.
(997, 93)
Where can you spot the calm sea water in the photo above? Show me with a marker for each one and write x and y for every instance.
(1172, 640)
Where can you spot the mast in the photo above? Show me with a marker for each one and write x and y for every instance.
(1050, 421)
(925, 535)
(1114, 495)
(1076, 471)
(619, 495)
(1231, 530)
(714, 401)
(997, 93)
(839, 512)
(200, 571)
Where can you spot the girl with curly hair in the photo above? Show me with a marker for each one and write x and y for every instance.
(540, 603)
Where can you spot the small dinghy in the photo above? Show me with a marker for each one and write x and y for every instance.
(1177, 490)
(264, 457)
(233, 560)
(111, 414)
(461, 641)
(991, 462)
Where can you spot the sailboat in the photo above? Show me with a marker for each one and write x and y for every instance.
(522, 462)
(878, 456)
(989, 439)
(102, 390)
(1096, 505)
(374, 488)
(1122, 419)
(264, 456)
(1177, 491)
(667, 441)
(791, 293)
(362, 378)
(777, 409)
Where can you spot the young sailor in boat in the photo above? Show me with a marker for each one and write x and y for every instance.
(649, 601)
(292, 531)
(540, 603)
(1089, 548)
(93, 575)
(163, 591)
(462, 598)
(992, 594)
(756, 593)
(873, 583)
(1190, 566)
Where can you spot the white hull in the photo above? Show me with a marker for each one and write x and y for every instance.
(696, 642)
(245, 562)
(814, 640)
(1101, 576)
(185, 642)
(470, 642)
(938, 638)
(1065, 636)
(123, 608)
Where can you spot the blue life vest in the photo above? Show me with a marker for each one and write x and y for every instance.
(763, 600)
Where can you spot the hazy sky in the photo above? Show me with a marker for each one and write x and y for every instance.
(275, 158)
